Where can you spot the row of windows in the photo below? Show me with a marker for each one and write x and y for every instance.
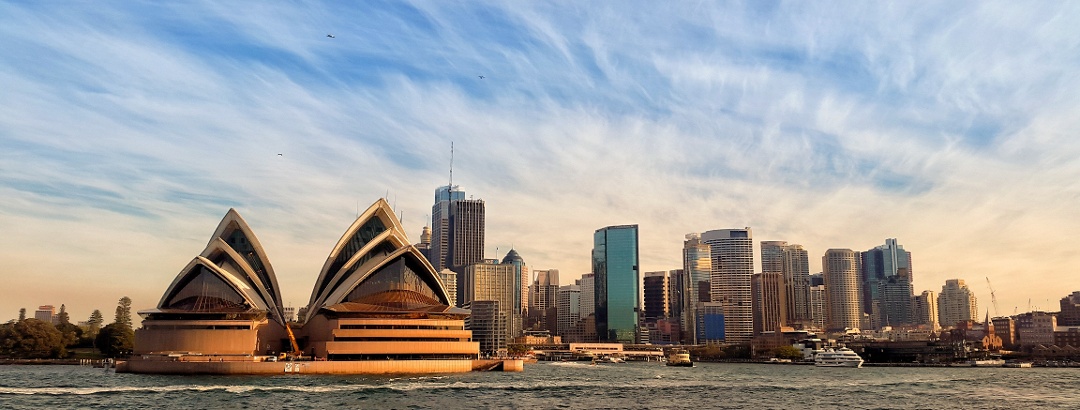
(410, 327)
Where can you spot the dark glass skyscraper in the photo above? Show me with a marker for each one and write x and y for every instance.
(457, 237)
(886, 285)
(617, 283)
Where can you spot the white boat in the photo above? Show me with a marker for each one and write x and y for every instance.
(842, 357)
(987, 363)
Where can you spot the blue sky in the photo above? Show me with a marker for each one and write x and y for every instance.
(129, 129)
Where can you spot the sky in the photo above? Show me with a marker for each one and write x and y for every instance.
(128, 129)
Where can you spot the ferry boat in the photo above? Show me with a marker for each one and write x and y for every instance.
(842, 357)
(987, 363)
(680, 358)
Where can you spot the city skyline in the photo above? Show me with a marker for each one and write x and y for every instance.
(128, 129)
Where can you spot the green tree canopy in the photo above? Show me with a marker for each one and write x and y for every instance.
(31, 339)
(123, 312)
(93, 325)
(62, 317)
(788, 352)
(22, 314)
(115, 340)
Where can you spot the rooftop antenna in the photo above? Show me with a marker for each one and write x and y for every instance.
(451, 184)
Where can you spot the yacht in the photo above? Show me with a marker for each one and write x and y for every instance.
(842, 357)
(680, 358)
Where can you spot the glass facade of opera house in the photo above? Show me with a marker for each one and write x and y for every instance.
(376, 299)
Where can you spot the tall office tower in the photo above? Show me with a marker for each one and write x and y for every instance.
(615, 264)
(732, 253)
(797, 283)
(676, 283)
(926, 310)
(956, 303)
(490, 280)
(521, 270)
(656, 292)
(818, 314)
(711, 323)
(695, 289)
(841, 289)
(542, 294)
(45, 313)
(440, 225)
(588, 294)
(449, 280)
(772, 256)
(1070, 310)
(770, 306)
(886, 285)
(568, 302)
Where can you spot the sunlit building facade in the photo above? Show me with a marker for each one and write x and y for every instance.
(617, 283)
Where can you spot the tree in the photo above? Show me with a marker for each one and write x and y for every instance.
(22, 314)
(62, 317)
(31, 339)
(93, 326)
(788, 352)
(115, 340)
(123, 312)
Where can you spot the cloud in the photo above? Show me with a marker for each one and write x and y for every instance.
(128, 131)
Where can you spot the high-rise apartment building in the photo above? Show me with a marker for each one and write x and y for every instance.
(926, 310)
(490, 280)
(695, 289)
(588, 294)
(956, 303)
(617, 283)
(732, 255)
(793, 263)
(45, 313)
(841, 290)
(770, 306)
(887, 285)
(656, 295)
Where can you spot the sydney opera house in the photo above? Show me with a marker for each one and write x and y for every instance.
(377, 307)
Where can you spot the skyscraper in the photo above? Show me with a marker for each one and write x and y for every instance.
(588, 294)
(695, 290)
(568, 302)
(488, 281)
(617, 283)
(732, 254)
(770, 306)
(818, 313)
(841, 290)
(887, 284)
(676, 284)
(542, 295)
(926, 310)
(797, 283)
(956, 303)
(457, 235)
(521, 270)
(656, 292)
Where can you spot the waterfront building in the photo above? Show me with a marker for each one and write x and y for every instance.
(818, 313)
(695, 289)
(1005, 327)
(956, 303)
(841, 290)
(1070, 310)
(1036, 328)
(732, 255)
(656, 292)
(45, 313)
(488, 323)
(617, 283)
(542, 304)
(770, 306)
(568, 308)
(488, 281)
(711, 323)
(926, 310)
(887, 285)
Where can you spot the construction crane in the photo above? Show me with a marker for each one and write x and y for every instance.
(993, 298)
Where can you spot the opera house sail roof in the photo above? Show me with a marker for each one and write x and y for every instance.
(231, 276)
(374, 269)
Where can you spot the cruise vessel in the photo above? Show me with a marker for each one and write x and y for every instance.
(842, 357)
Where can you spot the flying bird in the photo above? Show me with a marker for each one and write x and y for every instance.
(279, 155)
(331, 36)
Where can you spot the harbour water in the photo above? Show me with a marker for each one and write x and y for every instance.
(557, 385)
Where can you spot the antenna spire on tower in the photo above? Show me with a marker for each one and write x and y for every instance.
(451, 185)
